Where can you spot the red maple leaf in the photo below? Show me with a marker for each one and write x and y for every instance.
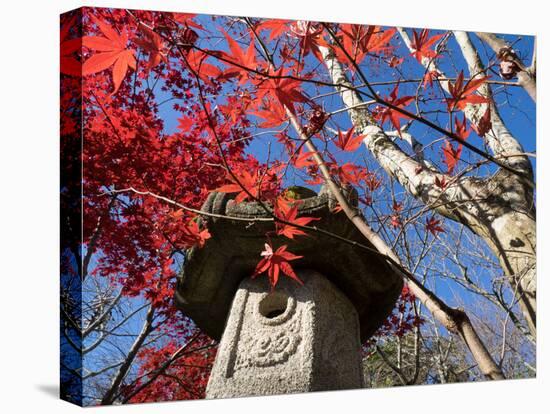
(372, 181)
(397, 206)
(193, 235)
(316, 179)
(441, 183)
(450, 153)
(196, 61)
(310, 36)
(395, 221)
(386, 113)
(350, 173)
(484, 124)
(421, 44)
(378, 40)
(433, 226)
(304, 159)
(187, 20)
(395, 218)
(429, 77)
(273, 113)
(285, 89)
(241, 61)
(274, 262)
(395, 61)
(185, 124)
(461, 129)
(276, 27)
(346, 141)
(289, 212)
(464, 93)
(153, 45)
(359, 40)
(69, 65)
(244, 183)
(113, 52)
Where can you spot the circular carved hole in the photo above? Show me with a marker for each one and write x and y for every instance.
(273, 305)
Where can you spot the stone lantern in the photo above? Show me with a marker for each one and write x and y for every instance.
(293, 338)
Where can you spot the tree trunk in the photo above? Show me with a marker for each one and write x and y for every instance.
(503, 215)
(526, 75)
(499, 209)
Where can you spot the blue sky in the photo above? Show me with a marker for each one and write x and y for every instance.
(517, 109)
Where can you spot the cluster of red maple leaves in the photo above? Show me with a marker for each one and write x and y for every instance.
(143, 179)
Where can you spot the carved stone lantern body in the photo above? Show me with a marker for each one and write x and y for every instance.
(292, 339)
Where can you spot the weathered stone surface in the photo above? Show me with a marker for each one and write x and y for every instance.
(211, 275)
(292, 339)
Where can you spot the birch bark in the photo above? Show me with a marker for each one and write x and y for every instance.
(499, 209)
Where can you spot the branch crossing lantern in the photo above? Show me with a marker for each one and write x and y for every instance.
(292, 338)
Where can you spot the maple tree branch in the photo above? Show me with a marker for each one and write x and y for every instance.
(515, 192)
(95, 236)
(102, 317)
(273, 218)
(420, 182)
(184, 207)
(392, 366)
(111, 393)
(180, 352)
(372, 95)
(75, 346)
(68, 317)
(454, 320)
(100, 371)
(265, 75)
(103, 335)
(219, 56)
(401, 81)
(494, 296)
(186, 387)
(212, 127)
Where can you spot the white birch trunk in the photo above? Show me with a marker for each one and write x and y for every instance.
(499, 209)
